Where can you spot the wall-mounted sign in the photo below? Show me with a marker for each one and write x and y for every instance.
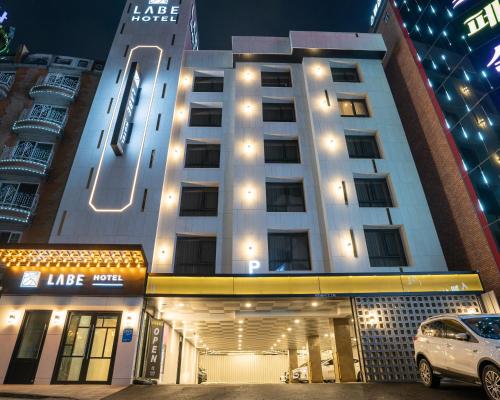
(124, 124)
(155, 11)
(75, 281)
(495, 60)
(456, 3)
(253, 266)
(152, 360)
(6, 33)
(487, 17)
(127, 335)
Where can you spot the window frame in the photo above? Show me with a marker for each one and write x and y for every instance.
(280, 80)
(353, 103)
(287, 187)
(284, 160)
(217, 87)
(212, 121)
(280, 110)
(199, 240)
(291, 236)
(205, 157)
(377, 154)
(203, 211)
(378, 261)
(345, 80)
(372, 202)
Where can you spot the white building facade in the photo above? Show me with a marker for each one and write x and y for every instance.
(271, 182)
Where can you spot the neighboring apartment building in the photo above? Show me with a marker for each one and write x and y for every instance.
(274, 196)
(44, 104)
(443, 68)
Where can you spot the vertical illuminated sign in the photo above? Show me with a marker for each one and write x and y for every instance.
(495, 60)
(124, 124)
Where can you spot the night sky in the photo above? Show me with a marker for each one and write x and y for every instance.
(85, 28)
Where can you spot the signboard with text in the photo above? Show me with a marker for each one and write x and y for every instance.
(74, 281)
(152, 360)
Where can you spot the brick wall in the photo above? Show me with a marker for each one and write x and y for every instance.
(462, 237)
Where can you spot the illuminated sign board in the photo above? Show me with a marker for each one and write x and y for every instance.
(75, 281)
(155, 11)
(487, 17)
(456, 3)
(376, 9)
(495, 60)
(6, 33)
(193, 28)
(124, 124)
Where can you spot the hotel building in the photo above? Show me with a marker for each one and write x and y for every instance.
(270, 194)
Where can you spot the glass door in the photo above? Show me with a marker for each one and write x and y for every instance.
(26, 356)
(88, 348)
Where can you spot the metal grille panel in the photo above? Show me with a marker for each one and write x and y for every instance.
(386, 326)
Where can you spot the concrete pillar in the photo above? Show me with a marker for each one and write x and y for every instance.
(315, 372)
(293, 363)
(342, 350)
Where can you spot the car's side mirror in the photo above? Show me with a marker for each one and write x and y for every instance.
(462, 336)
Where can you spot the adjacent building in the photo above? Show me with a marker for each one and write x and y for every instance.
(443, 68)
(270, 193)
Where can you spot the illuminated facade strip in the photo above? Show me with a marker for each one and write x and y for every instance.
(130, 202)
(314, 285)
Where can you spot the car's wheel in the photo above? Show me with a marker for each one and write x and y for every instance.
(427, 375)
(490, 379)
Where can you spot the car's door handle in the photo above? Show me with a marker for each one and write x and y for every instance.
(474, 351)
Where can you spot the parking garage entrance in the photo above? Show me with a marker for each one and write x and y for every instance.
(250, 340)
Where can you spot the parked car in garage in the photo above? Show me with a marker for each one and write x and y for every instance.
(300, 374)
(464, 347)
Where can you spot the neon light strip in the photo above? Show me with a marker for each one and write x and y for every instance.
(91, 199)
(108, 284)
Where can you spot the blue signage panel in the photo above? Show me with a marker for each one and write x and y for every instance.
(127, 335)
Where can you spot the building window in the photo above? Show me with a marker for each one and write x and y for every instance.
(285, 197)
(9, 237)
(373, 193)
(362, 146)
(276, 79)
(18, 195)
(206, 117)
(278, 112)
(385, 248)
(195, 255)
(199, 201)
(208, 84)
(345, 75)
(288, 252)
(353, 108)
(202, 156)
(282, 151)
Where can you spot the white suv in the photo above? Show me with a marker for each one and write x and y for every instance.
(464, 347)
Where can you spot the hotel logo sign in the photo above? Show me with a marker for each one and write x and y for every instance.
(487, 17)
(156, 11)
(58, 281)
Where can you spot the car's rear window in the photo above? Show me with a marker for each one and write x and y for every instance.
(487, 327)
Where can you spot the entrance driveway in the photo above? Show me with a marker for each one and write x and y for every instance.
(448, 391)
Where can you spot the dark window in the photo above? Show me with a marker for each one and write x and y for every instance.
(195, 255)
(433, 329)
(9, 237)
(199, 201)
(362, 146)
(353, 108)
(208, 84)
(278, 112)
(202, 156)
(373, 193)
(206, 117)
(276, 79)
(289, 252)
(282, 151)
(345, 75)
(385, 248)
(285, 197)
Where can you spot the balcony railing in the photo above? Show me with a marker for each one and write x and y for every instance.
(56, 88)
(6, 82)
(25, 159)
(42, 118)
(17, 206)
